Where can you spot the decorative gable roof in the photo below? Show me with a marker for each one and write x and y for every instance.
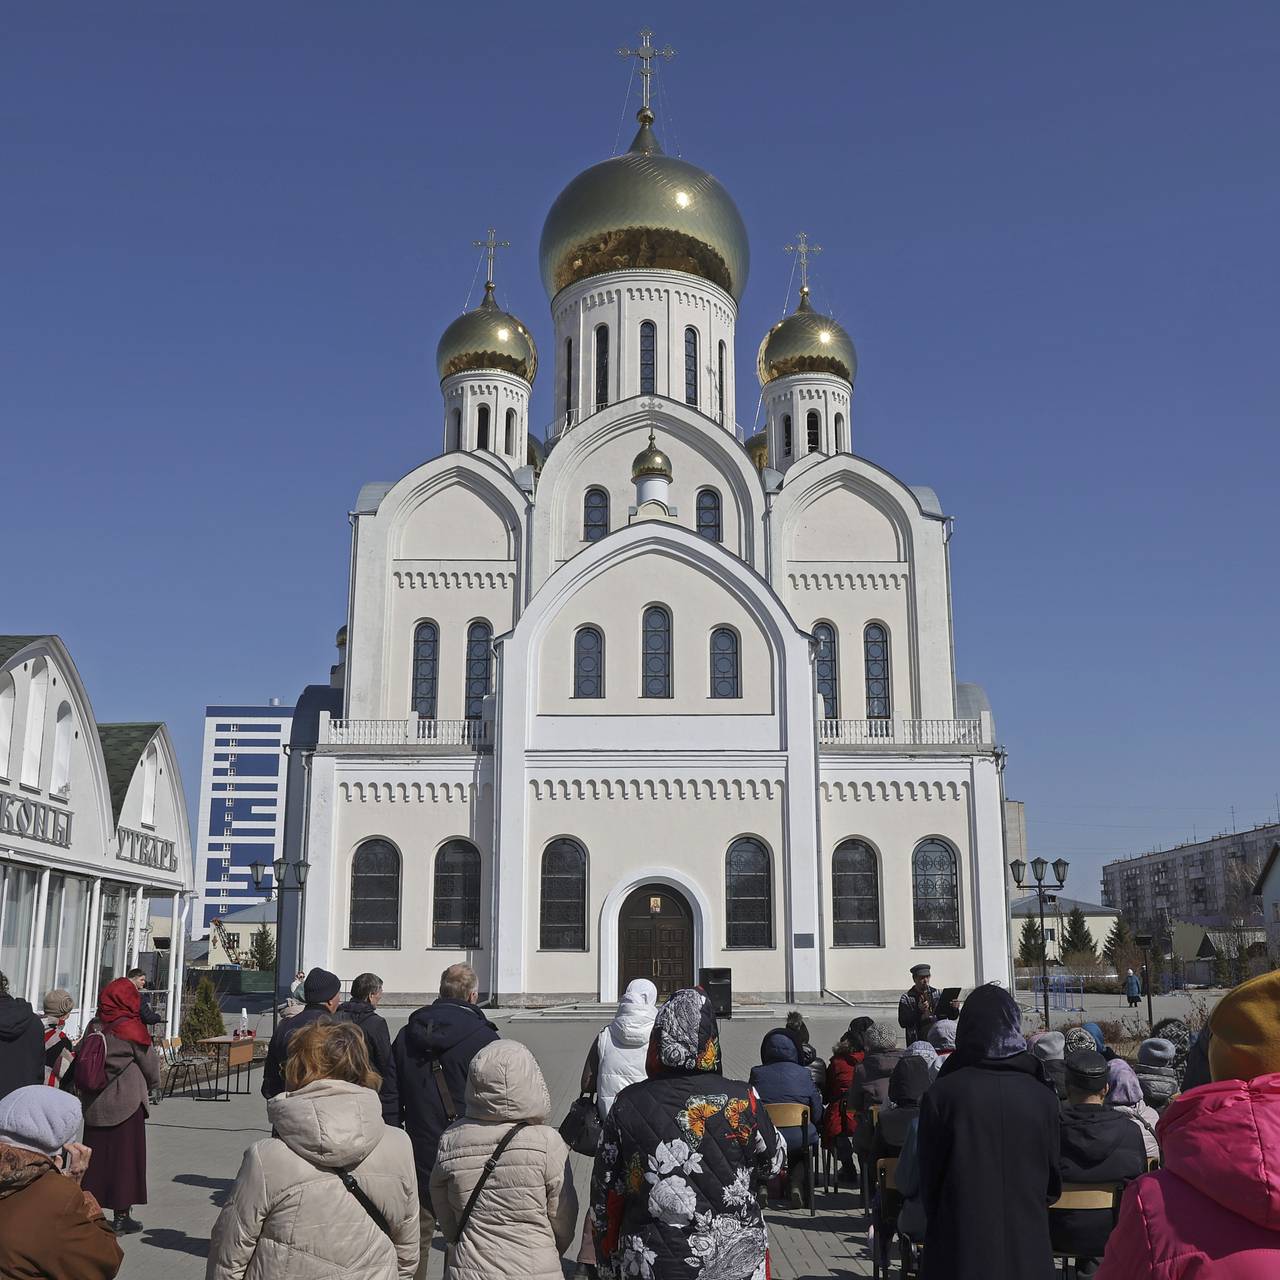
(9, 645)
(122, 748)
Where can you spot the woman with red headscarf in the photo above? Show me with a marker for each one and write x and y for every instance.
(115, 1103)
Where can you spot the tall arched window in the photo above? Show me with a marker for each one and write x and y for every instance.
(426, 669)
(720, 362)
(786, 435)
(37, 707)
(60, 779)
(841, 446)
(935, 893)
(813, 427)
(875, 652)
(748, 891)
(595, 515)
(648, 344)
(855, 893)
(691, 365)
(568, 382)
(827, 670)
(482, 427)
(8, 701)
(455, 431)
(479, 668)
(725, 676)
(563, 925)
(375, 896)
(510, 441)
(655, 679)
(602, 365)
(709, 515)
(455, 908)
(588, 663)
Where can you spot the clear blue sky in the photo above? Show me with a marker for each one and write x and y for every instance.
(232, 233)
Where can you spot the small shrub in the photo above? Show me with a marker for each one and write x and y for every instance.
(203, 1017)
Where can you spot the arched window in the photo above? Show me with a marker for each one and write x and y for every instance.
(150, 772)
(691, 365)
(511, 432)
(656, 674)
(564, 897)
(37, 706)
(375, 896)
(455, 431)
(648, 343)
(855, 893)
(786, 435)
(7, 703)
(720, 360)
(595, 515)
(568, 382)
(813, 426)
(479, 668)
(426, 669)
(709, 515)
(748, 895)
(935, 893)
(602, 365)
(827, 670)
(482, 427)
(588, 663)
(60, 779)
(725, 677)
(841, 446)
(455, 908)
(875, 652)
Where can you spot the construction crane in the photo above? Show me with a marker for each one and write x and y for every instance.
(234, 955)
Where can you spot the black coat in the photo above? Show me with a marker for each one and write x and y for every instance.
(989, 1170)
(21, 1045)
(909, 1014)
(451, 1032)
(377, 1036)
(1098, 1145)
(278, 1049)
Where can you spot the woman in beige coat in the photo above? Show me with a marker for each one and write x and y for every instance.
(524, 1217)
(291, 1215)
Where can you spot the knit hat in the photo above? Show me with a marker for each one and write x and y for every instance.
(1156, 1052)
(1050, 1046)
(58, 1003)
(1245, 1027)
(1086, 1070)
(1178, 1034)
(942, 1035)
(320, 986)
(877, 1038)
(1077, 1038)
(37, 1118)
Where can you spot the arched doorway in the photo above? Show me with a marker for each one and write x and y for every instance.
(655, 939)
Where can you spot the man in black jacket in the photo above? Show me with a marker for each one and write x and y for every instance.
(21, 1042)
(322, 991)
(431, 1056)
(917, 1004)
(362, 1009)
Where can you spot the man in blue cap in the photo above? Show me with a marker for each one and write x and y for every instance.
(322, 992)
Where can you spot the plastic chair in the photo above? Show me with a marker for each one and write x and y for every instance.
(795, 1115)
(183, 1066)
(1092, 1197)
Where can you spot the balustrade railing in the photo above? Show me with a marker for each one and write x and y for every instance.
(908, 733)
(411, 732)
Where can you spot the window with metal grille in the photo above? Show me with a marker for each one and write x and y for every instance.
(563, 924)
(748, 895)
(786, 434)
(568, 381)
(935, 894)
(482, 427)
(708, 510)
(826, 670)
(455, 908)
(426, 669)
(656, 658)
(720, 383)
(875, 651)
(813, 428)
(648, 344)
(595, 515)
(602, 366)
(725, 681)
(375, 896)
(855, 892)
(479, 668)
(588, 663)
(691, 365)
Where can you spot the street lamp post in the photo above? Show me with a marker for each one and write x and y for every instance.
(1144, 941)
(279, 869)
(1039, 867)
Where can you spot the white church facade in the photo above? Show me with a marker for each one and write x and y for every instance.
(652, 699)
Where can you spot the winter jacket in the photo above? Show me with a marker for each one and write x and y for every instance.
(1213, 1211)
(1098, 1144)
(49, 1228)
(891, 1130)
(525, 1216)
(21, 1045)
(278, 1049)
(377, 1038)
(837, 1120)
(451, 1032)
(870, 1089)
(781, 1078)
(1159, 1085)
(911, 1219)
(1056, 1070)
(1145, 1120)
(1132, 987)
(291, 1218)
(59, 1053)
(910, 1011)
(814, 1065)
(132, 1072)
(621, 1048)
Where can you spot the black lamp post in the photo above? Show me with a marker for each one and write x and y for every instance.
(1144, 941)
(279, 869)
(1039, 867)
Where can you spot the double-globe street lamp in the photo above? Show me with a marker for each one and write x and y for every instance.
(259, 870)
(1039, 867)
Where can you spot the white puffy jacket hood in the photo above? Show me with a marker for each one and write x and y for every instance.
(504, 1085)
(329, 1123)
(633, 1023)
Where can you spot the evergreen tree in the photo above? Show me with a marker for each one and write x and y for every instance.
(1119, 942)
(262, 949)
(1077, 940)
(203, 1017)
(1030, 944)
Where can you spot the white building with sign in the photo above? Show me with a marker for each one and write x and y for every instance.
(93, 828)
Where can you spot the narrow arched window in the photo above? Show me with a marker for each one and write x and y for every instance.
(479, 668)
(875, 652)
(150, 771)
(588, 663)
(841, 445)
(511, 432)
(786, 434)
(602, 365)
(8, 701)
(568, 382)
(813, 428)
(482, 427)
(595, 515)
(748, 895)
(455, 431)
(375, 896)
(855, 893)
(725, 679)
(37, 707)
(827, 670)
(60, 779)
(709, 515)
(656, 674)
(563, 925)
(648, 345)
(691, 365)
(426, 669)
(935, 894)
(720, 363)
(455, 908)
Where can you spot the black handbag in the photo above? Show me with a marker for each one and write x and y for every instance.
(581, 1128)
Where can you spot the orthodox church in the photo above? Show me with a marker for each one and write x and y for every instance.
(647, 698)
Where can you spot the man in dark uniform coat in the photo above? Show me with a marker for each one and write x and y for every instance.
(917, 1004)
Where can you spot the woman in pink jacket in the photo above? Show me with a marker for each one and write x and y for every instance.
(1213, 1211)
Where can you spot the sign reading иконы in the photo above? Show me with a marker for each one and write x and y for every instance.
(21, 816)
(146, 851)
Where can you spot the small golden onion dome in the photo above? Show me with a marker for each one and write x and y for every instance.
(487, 338)
(806, 342)
(644, 209)
(651, 461)
(535, 455)
(757, 447)
(340, 640)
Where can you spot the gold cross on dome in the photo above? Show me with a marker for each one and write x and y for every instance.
(646, 53)
(804, 249)
(491, 244)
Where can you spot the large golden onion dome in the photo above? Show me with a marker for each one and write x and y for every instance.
(651, 461)
(487, 338)
(644, 209)
(757, 447)
(806, 342)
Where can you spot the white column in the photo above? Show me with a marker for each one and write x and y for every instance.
(510, 908)
(135, 943)
(35, 951)
(179, 969)
(319, 940)
(988, 881)
(801, 888)
(89, 986)
(175, 909)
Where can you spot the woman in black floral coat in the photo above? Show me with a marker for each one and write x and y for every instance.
(673, 1193)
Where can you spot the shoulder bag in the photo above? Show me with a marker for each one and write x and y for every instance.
(581, 1128)
(365, 1203)
(489, 1165)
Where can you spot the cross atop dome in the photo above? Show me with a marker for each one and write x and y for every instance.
(804, 249)
(646, 53)
(490, 244)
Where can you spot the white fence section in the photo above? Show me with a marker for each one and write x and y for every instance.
(905, 733)
(414, 731)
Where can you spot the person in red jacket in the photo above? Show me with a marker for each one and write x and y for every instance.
(838, 1123)
(1213, 1211)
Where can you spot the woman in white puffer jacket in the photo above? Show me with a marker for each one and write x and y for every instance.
(621, 1048)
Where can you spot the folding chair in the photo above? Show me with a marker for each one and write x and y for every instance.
(885, 1207)
(795, 1115)
(865, 1172)
(183, 1066)
(1093, 1197)
(831, 1154)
